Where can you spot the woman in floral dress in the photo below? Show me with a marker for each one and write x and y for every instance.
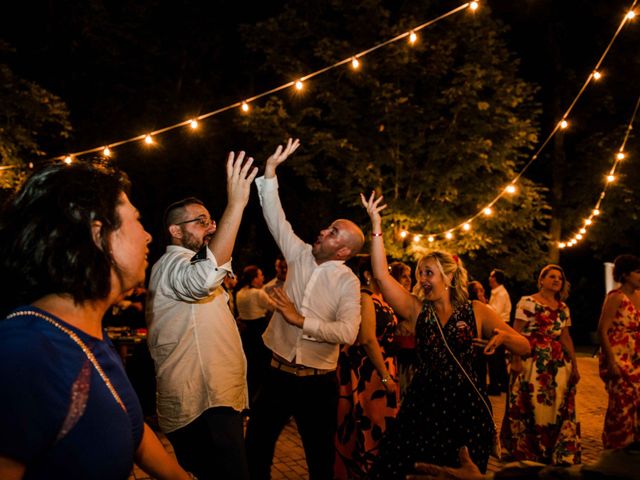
(540, 422)
(368, 396)
(619, 330)
(443, 409)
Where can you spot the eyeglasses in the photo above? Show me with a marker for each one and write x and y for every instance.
(202, 221)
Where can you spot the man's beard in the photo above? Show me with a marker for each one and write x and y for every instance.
(191, 242)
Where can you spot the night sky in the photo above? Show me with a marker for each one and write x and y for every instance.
(124, 68)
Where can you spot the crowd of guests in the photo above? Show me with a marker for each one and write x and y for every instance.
(379, 370)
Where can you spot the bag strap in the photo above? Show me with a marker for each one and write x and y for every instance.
(82, 346)
(473, 384)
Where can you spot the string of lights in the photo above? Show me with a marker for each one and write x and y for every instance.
(621, 155)
(511, 187)
(355, 61)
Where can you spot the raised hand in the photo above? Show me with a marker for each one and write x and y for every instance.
(239, 179)
(373, 208)
(279, 156)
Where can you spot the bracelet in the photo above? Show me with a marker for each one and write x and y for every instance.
(374, 234)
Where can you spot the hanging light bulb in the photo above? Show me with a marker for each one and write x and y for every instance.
(193, 124)
(449, 235)
(430, 239)
(510, 189)
(299, 85)
(412, 38)
(564, 124)
(466, 226)
(245, 107)
(611, 178)
(404, 233)
(631, 15)
(416, 238)
(620, 155)
(596, 212)
(583, 230)
(487, 211)
(106, 152)
(355, 63)
(597, 75)
(68, 159)
(473, 6)
(148, 140)
(579, 236)
(562, 245)
(588, 221)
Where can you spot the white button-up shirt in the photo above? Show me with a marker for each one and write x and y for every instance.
(327, 295)
(501, 302)
(253, 303)
(193, 339)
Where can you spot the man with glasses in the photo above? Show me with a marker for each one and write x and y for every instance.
(193, 338)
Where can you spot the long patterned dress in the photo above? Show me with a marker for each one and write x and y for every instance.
(622, 421)
(365, 410)
(443, 410)
(540, 422)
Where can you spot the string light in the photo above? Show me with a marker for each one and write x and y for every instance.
(487, 211)
(68, 159)
(597, 75)
(245, 107)
(562, 245)
(106, 152)
(588, 221)
(611, 178)
(355, 63)
(299, 85)
(564, 124)
(412, 38)
(510, 189)
(404, 233)
(583, 230)
(473, 6)
(193, 124)
(466, 227)
(631, 15)
(148, 140)
(416, 238)
(430, 239)
(595, 212)
(448, 235)
(620, 156)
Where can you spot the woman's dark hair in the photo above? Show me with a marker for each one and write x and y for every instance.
(359, 264)
(46, 234)
(249, 273)
(623, 265)
(472, 290)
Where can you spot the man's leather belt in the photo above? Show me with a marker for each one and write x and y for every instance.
(298, 370)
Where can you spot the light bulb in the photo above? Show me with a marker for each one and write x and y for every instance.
(299, 85)
(416, 238)
(193, 124)
(148, 140)
(611, 178)
(620, 155)
(562, 245)
(68, 159)
(631, 14)
(473, 6)
(245, 107)
(487, 211)
(412, 38)
(355, 63)
(579, 236)
(510, 189)
(404, 234)
(564, 124)
(595, 212)
(597, 75)
(583, 230)
(449, 235)
(588, 221)
(106, 152)
(430, 239)
(466, 227)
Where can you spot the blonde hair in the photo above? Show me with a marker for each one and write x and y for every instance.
(563, 294)
(448, 264)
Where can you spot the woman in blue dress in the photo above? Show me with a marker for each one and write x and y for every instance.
(443, 409)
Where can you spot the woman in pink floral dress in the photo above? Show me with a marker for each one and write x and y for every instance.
(540, 423)
(619, 330)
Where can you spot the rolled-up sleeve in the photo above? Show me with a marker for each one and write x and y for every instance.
(195, 280)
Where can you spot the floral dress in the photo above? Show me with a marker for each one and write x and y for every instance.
(622, 421)
(365, 410)
(443, 410)
(540, 422)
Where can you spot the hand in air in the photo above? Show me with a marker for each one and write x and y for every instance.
(373, 207)
(239, 178)
(279, 156)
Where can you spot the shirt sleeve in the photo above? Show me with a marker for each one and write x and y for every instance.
(290, 244)
(192, 280)
(567, 315)
(345, 328)
(525, 310)
(501, 304)
(33, 400)
(264, 300)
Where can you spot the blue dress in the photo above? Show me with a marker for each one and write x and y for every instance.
(442, 410)
(57, 415)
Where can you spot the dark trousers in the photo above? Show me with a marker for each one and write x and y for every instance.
(312, 400)
(258, 355)
(498, 381)
(212, 446)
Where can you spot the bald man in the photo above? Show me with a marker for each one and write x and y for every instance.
(317, 310)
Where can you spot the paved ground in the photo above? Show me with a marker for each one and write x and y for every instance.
(591, 403)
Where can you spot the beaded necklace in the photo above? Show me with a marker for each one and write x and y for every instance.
(81, 344)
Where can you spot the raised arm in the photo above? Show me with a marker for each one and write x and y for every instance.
(279, 156)
(609, 309)
(239, 180)
(403, 302)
